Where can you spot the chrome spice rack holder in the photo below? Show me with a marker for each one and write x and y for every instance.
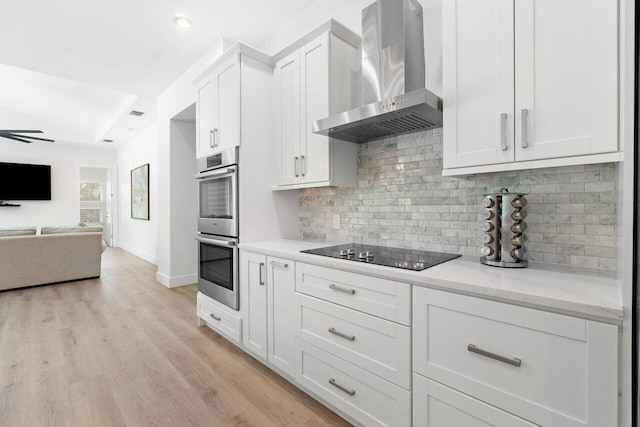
(505, 230)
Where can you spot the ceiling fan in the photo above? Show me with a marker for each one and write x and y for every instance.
(15, 135)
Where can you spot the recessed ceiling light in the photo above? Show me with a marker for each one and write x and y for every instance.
(181, 22)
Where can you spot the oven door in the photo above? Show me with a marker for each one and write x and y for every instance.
(218, 269)
(218, 202)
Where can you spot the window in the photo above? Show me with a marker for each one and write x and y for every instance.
(91, 202)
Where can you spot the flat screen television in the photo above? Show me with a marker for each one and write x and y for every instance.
(20, 181)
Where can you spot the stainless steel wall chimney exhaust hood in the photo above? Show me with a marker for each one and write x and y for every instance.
(394, 100)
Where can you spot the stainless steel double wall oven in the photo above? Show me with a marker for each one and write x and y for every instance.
(218, 227)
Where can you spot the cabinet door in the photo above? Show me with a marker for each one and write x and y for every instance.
(435, 405)
(478, 82)
(205, 119)
(227, 104)
(314, 103)
(566, 78)
(282, 313)
(254, 272)
(287, 101)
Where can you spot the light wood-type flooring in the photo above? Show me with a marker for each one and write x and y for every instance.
(125, 350)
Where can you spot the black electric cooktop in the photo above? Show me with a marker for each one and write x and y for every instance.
(408, 259)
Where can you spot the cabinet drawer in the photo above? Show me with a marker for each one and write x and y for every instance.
(383, 298)
(367, 398)
(376, 345)
(435, 405)
(220, 319)
(537, 365)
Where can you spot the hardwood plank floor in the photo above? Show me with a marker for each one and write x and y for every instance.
(125, 350)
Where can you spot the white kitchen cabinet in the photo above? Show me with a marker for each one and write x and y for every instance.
(435, 405)
(270, 325)
(528, 81)
(219, 317)
(254, 275)
(313, 81)
(282, 303)
(218, 107)
(546, 368)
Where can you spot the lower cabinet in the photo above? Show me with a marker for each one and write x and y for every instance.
(367, 398)
(270, 327)
(435, 405)
(546, 368)
(219, 318)
(386, 353)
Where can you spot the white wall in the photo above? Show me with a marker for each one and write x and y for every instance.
(180, 95)
(349, 13)
(140, 237)
(184, 203)
(65, 160)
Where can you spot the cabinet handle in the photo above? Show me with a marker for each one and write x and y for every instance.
(303, 165)
(279, 264)
(339, 289)
(215, 137)
(214, 317)
(261, 274)
(525, 120)
(212, 138)
(503, 131)
(514, 361)
(339, 387)
(296, 163)
(341, 335)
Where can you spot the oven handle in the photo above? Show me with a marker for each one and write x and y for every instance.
(217, 242)
(216, 172)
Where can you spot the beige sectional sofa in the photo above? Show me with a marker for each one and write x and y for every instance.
(57, 255)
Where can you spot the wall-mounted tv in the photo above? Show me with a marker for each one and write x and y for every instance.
(20, 181)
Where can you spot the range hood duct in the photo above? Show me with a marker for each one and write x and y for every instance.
(394, 100)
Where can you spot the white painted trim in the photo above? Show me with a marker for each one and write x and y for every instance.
(330, 26)
(176, 281)
(237, 47)
(139, 253)
(536, 164)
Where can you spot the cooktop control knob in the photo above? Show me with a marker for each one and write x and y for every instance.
(369, 255)
(351, 251)
(362, 255)
(343, 253)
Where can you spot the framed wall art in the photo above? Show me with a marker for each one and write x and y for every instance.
(140, 192)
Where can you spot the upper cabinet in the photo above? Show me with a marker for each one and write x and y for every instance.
(314, 78)
(218, 108)
(529, 83)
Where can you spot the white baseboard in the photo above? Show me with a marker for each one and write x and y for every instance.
(140, 254)
(176, 281)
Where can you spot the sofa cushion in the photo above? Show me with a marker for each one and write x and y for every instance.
(18, 231)
(71, 229)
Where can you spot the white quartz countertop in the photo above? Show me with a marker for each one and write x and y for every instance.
(586, 293)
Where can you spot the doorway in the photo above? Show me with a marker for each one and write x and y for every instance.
(96, 198)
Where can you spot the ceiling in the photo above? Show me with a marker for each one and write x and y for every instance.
(90, 61)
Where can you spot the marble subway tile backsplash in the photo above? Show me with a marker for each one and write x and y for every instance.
(403, 200)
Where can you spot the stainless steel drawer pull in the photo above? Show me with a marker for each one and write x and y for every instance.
(261, 274)
(296, 165)
(525, 120)
(338, 386)
(341, 335)
(214, 317)
(211, 139)
(280, 264)
(303, 165)
(514, 361)
(339, 289)
(503, 132)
